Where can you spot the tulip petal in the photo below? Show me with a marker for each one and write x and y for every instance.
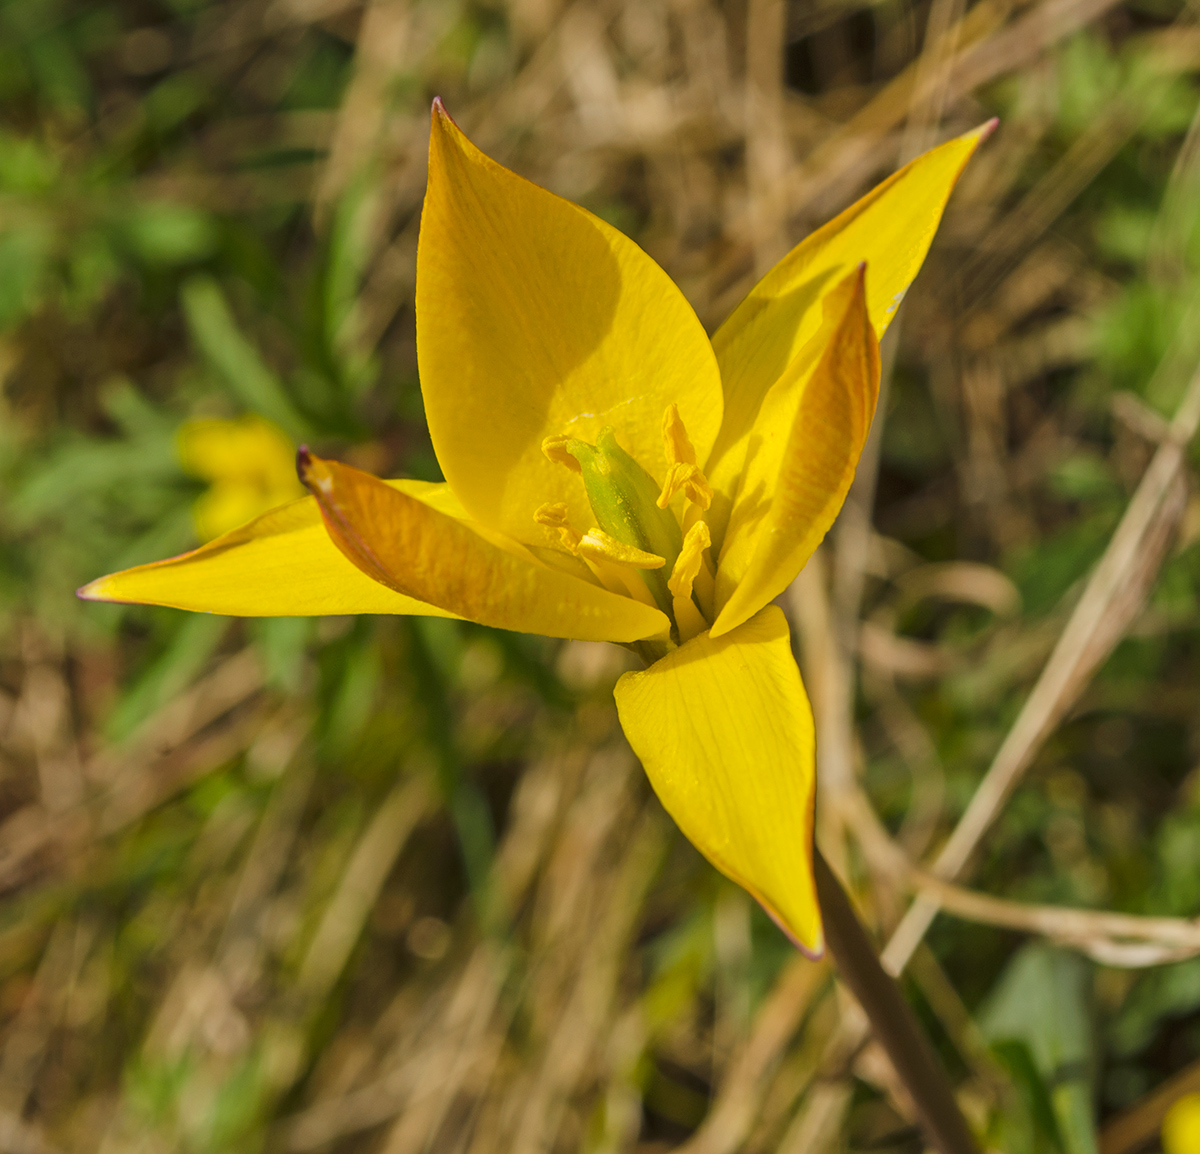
(725, 733)
(890, 229)
(281, 564)
(463, 568)
(803, 452)
(535, 318)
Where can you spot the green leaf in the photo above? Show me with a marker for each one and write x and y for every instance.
(229, 352)
(24, 263)
(1042, 1000)
(169, 234)
(193, 643)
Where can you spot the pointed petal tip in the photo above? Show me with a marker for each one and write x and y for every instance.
(92, 591)
(440, 117)
(312, 470)
(102, 591)
(987, 128)
(813, 951)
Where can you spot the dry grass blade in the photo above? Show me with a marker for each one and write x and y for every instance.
(1114, 939)
(1023, 40)
(366, 871)
(767, 148)
(201, 727)
(382, 42)
(28, 1034)
(440, 1076)
(1014, 234)
(739, 1098)
(460, 1047)
(589, 1005)
(1113, 596)
(17, 1137)
(989, 48)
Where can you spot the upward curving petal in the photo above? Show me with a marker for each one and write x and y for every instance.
(411, 547)
(281, 564)
(534, 318)
(890, 229)
(802, 454)
(725, 733)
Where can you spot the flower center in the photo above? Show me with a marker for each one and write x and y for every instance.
(640, 547)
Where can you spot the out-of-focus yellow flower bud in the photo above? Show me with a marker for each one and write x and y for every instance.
(1181, 1127)
(250, 467)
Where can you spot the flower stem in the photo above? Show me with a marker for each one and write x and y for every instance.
(894, 1024)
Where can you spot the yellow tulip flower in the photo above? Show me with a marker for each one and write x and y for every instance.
(612, 474)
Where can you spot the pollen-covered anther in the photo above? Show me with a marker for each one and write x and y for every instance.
(611, 563)
(676, 442)
(555, 448)
(691, 480)
(554, 516)
(597, 545)
(688, 567)
(683, 473)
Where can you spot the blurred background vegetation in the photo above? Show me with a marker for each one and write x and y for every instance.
(398, 885)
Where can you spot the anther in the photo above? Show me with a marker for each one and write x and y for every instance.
(691, 480)
(555, 448)
(597, 545)
(683, 473)
(554, 516)
(676, 442)
(688, 617)
(612, 564)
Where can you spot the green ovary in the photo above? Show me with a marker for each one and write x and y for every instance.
(623, 497)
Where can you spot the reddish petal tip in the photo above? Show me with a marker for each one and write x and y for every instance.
(303, 463)
(987, 129)
(439, 116)
(438, 113)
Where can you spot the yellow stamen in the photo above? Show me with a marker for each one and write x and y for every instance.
(705, 587)
(691, 560)
(617, 564)
(621, 579)
(690, 565)
(554, 516)
(675, 439)
(691, 480)
(597, 545)
(556, 449)
(684, 473)
(611, 563)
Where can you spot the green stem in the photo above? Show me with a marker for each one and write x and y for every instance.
(892, 1021)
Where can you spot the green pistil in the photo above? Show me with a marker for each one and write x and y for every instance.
(624, 499)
